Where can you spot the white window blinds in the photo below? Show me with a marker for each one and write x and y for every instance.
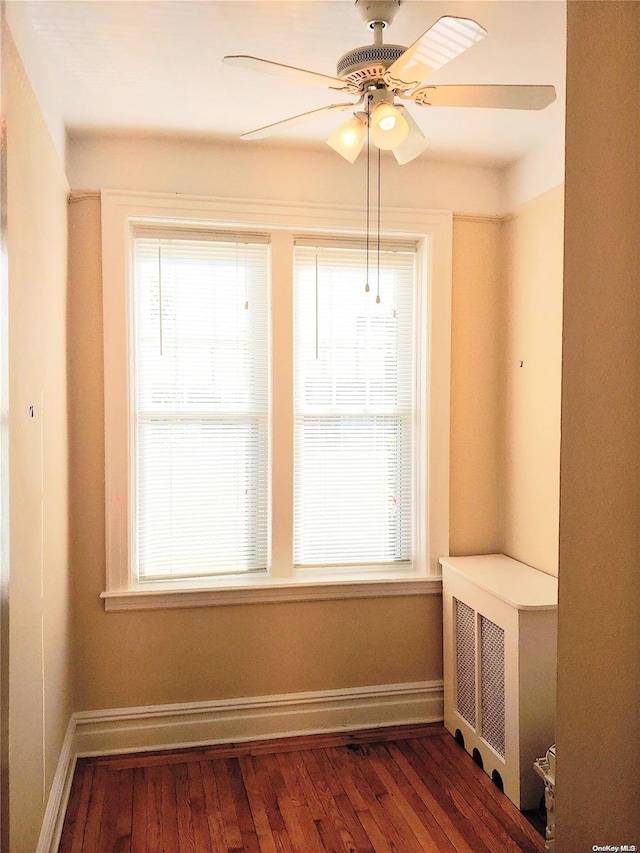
(200, 408)
(354, 403)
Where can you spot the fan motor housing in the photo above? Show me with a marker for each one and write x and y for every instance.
(367, 64)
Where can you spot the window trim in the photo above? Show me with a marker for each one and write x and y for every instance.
(120, 212)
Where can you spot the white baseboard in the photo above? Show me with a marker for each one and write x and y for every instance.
(258, 717)
(59, 794)
(121, 730)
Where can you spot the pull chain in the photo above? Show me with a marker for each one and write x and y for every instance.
(316, 303)
(378, 246)
(246, 301)
(160, 293)
(366, 286)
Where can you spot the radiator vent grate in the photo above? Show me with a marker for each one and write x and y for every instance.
(492, 684)
(465, 619)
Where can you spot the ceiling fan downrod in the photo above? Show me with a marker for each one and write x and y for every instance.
(366, 65)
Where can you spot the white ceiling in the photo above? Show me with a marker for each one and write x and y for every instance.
(155, 66)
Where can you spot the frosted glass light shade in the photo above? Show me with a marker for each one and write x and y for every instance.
(415, 143)
(348, 139)
(389, 127)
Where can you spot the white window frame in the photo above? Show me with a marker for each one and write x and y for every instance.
(432, 230)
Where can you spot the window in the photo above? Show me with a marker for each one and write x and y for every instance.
(200, 400)
(354, 358)
(268, 428)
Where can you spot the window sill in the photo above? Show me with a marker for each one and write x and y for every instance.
(270, 590)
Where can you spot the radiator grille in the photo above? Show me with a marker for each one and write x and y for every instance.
(492, 684)
(465, 662)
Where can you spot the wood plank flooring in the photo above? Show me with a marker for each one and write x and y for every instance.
(400, 790)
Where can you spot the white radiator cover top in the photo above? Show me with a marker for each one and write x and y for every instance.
(515, 583)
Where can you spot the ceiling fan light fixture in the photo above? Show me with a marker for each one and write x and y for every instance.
(389, 128)
(348, 139)
(415, 143)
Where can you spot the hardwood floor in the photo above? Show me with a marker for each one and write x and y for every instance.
(406, 790)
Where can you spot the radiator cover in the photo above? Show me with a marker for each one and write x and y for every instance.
(500, 634)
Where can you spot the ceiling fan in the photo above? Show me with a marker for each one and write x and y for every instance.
(378, 74)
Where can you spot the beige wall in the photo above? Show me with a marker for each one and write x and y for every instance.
(598, 727)
(505, 425)
(477, 392)
(212, 653)
(215, 652)
(39, 694)
(532, 340)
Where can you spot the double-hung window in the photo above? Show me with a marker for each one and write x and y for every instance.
(268, 394)
(200, 404)
(354, 367)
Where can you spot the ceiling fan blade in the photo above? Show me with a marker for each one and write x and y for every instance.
(492, 97)
(415, 143)
(268, 129)
(446, 39)
(253, 63)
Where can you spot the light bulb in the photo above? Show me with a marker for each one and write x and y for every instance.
(389, 128)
